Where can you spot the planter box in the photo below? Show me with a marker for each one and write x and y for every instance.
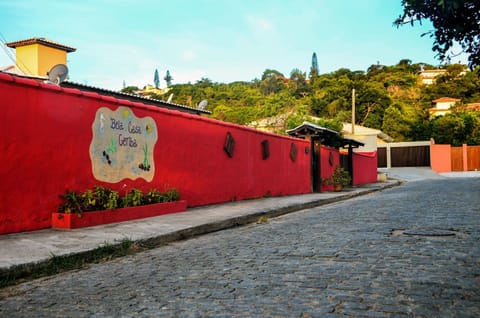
(75, 220)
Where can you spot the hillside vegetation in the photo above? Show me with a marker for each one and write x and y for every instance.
(389, 98)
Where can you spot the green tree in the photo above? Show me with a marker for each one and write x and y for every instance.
(271, 73)
(394, 124)
(453, 21)
(314, 70)
(168, 78)
(298, 83)
(332, 93)
(129, 89)
(457, 128)
(204, 82)
(156, 79)
(272, 82)
(371, 102)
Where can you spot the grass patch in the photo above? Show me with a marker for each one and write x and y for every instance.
(59, 264)
(262, 219)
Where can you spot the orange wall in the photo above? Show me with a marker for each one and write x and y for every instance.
(440, 157)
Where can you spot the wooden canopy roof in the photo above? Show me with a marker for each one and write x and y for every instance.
(327, 136)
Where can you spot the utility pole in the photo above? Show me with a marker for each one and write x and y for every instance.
(353, 111)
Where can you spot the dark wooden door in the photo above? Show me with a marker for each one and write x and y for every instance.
(315, 166)
(457, 158)
(473, 157)
(414, 156)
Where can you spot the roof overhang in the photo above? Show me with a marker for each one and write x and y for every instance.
(326, 136)
(43, 41)
(352, 143)
(308, 128)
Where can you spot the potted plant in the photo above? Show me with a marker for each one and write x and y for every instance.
(103, 206)
(339, 178)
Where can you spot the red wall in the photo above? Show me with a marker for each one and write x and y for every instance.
(326, 167)
(364, 168)
(46, 132)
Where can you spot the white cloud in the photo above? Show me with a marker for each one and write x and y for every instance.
(189, 55)
(260, 24)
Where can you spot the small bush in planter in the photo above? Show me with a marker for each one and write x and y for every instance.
(101, 198)
(153, 196)
(107, 199)
(340, 177)
(133, 198)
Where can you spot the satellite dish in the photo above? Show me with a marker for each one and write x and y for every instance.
(169, 100)
(202, 104)
(57, 74)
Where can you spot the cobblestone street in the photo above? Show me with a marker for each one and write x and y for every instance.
(413, 250)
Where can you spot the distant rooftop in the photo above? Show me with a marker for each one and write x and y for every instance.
(43, 41)
(434, 71)
(473, 106)
(446, 100)
(365, 131)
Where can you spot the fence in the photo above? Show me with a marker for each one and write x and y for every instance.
(465, 158)
(473, 157)
(446, 158)
(404, 154)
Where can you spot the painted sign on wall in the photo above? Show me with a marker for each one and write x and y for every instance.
(122, 145)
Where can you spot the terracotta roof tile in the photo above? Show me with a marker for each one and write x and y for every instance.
(473, 106)
(446, 100)
(43, 41)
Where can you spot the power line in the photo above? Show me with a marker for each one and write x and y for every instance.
(5, 48)
(15, 59)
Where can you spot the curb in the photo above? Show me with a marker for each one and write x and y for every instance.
(19, 273)
(251, 218)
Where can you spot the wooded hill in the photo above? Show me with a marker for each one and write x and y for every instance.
(390, 98)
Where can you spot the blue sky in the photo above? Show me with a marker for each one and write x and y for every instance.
(224, 40)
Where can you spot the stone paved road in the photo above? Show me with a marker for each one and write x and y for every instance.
(350, 258)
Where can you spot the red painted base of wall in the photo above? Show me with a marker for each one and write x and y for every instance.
(75, 221)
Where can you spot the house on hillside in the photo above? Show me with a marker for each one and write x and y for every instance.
(442, 106)
(473, 107)
(428, 77)
(150, 90)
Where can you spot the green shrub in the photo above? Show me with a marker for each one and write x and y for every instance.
(101, 198)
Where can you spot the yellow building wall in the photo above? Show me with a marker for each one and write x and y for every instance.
(49, 57)
(27, 57)
(38, 59)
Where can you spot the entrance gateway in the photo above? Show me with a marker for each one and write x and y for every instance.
(319, 136)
